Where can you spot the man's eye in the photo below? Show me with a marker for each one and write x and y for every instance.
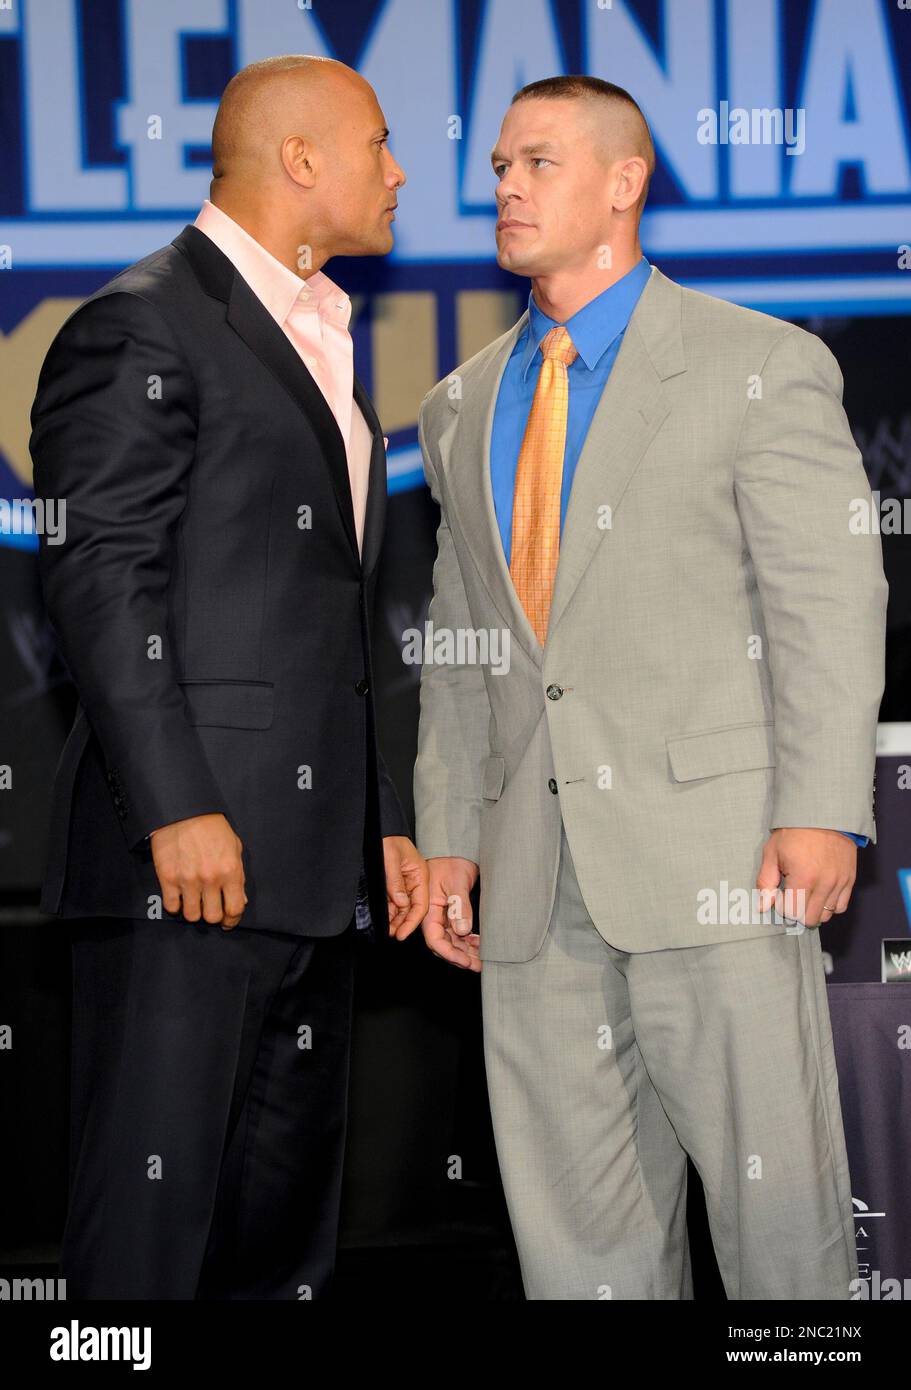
(536, 159)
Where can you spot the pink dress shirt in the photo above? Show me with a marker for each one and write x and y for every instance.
(314, 315)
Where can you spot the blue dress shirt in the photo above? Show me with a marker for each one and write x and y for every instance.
(596, 331)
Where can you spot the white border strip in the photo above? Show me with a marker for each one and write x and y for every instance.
(778, 228)
(689, 231)
(860, 289)
(73, 244)
(893, 740)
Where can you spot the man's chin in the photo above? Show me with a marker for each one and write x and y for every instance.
(379, 245)
(514, 262)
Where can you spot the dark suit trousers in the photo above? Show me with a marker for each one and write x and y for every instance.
(209, 1106)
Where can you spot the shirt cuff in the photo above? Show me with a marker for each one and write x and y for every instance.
(858, 839)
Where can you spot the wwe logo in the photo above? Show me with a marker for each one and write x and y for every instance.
(901, 962)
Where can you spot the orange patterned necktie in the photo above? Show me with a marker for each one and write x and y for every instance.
(539, 479)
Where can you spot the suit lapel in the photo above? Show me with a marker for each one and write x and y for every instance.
(375, 515)
(248, 317)
(632, 407)
(253, 322)
(631, 410)
(465, 457)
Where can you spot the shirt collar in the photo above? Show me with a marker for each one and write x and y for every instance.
(273, 283)
(595, 326)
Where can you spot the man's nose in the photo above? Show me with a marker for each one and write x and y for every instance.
(506, 195)
(508, 188)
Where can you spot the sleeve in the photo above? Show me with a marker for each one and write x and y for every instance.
(799, 485)
(453, 732)
(393, 820)
(113, 438)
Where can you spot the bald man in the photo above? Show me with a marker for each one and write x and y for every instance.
(649, 490)
(224, 829)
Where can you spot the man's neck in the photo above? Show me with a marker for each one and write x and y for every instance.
(565, 292)
(286, 246)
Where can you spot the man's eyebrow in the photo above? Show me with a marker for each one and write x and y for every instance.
(383, 130)
(539, 147)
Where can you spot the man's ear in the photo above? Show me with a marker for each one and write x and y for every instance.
(631, 176)
(299, 161)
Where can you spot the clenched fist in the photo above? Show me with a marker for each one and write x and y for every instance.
(199, 863)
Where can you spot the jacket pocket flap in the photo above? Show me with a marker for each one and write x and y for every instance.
(494, 773)
(734, 749)
(229, 704)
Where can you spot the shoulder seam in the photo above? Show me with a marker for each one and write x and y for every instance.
(791, 328)
(159, 312)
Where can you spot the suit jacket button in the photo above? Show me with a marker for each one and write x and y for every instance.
(552, 784)
(554, 692)
(362, 686)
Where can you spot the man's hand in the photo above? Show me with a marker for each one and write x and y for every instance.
(407, 889)
(199, 863)
(822, 863)
(447, 926)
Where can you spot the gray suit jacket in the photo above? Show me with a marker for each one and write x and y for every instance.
(715, 655)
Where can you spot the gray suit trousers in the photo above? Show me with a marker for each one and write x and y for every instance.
(606, 1068)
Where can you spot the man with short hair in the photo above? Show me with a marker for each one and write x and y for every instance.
(649, 489)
